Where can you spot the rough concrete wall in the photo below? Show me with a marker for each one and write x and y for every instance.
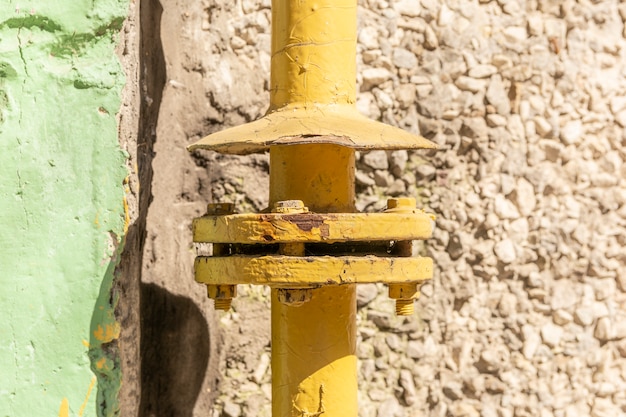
(177, 346)
(525, 315)
(67, 197)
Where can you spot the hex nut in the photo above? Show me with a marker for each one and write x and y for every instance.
(410, 291)
(290, 207)
(221, 291)
(214, 209)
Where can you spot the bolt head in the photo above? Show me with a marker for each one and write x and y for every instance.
(220, 292)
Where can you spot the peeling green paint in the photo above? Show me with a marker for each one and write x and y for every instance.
(61, 206)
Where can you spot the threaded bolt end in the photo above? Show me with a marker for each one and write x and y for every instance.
(223, 303)
(404, 307)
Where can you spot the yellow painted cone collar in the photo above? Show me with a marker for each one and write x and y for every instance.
(312, 87)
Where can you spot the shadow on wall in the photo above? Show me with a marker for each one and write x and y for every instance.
(175, 339)
(175, 349)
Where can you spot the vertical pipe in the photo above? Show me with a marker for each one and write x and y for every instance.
(313, 346)
(313, 53)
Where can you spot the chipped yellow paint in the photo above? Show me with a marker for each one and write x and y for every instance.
(312, 227)
(294, 271)
(92, 384)
(86, 343)
(107, 333)
(64, 410)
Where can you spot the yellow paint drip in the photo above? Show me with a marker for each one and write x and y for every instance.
(64, 410)
(126, 215)
(92, 384)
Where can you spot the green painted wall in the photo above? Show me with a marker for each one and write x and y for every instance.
(62, 211)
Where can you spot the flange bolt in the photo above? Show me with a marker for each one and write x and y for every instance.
(222, 294)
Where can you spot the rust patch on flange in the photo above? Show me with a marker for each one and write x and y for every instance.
(308, 221)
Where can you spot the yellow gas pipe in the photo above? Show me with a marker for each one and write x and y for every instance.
(313, 345)
(312, 129)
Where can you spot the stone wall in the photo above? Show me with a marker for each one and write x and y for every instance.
(526, 313)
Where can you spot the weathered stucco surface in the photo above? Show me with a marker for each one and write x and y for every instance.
(63, 206)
